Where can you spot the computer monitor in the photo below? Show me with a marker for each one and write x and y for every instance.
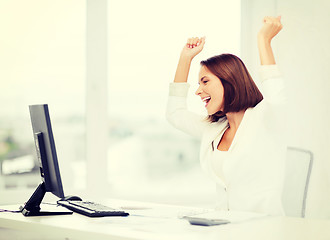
(47, 159)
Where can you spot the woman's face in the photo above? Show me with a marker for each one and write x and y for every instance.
(210, 90)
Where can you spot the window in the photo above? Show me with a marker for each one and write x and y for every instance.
(42, 61)
(147, 157)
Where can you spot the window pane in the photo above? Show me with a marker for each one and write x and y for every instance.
(42, 62)
(147, 157)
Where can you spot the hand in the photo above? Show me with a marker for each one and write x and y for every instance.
(271, 27)
(193, 47)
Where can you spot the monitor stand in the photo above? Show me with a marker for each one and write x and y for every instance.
(32, 206)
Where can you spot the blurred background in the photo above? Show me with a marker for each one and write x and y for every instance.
(103, 67)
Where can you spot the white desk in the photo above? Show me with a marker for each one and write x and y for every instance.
(169, 227)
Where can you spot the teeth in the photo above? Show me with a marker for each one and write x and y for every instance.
(206, 98)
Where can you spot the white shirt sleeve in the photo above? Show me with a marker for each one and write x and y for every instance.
(179, 116)
(273, 90)
(272, 84)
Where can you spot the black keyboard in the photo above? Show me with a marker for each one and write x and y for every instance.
(91, 209)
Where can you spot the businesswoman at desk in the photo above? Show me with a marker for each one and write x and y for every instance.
(242, 139)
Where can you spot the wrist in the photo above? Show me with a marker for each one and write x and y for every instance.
(263, 39)
(185, 58)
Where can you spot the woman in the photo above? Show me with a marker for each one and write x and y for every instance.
(242, 147)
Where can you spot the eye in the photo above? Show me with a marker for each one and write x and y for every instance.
(204, 81)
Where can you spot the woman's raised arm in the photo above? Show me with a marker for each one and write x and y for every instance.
(189, 51)
(177, 113)
(271, 27)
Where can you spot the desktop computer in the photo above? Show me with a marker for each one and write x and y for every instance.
(50, 174)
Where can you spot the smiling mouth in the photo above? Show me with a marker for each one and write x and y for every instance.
(206, 100)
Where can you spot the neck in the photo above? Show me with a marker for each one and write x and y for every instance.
(235, 119)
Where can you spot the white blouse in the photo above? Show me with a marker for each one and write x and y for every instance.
(249, 176)
(219, 157)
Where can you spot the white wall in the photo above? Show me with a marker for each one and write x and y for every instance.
(303, 53)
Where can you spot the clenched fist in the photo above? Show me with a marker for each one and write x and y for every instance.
(193, 47)
(270, 28)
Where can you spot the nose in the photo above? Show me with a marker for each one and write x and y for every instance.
(199, 90)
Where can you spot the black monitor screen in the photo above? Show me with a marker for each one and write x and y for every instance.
(46, 151)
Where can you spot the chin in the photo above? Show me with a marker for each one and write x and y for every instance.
(212, 111)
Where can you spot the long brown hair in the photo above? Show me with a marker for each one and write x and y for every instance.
(240, 91)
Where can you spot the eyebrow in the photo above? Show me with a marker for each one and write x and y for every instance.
(201, 79)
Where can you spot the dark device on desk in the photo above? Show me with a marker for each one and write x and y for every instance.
(50, 173)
